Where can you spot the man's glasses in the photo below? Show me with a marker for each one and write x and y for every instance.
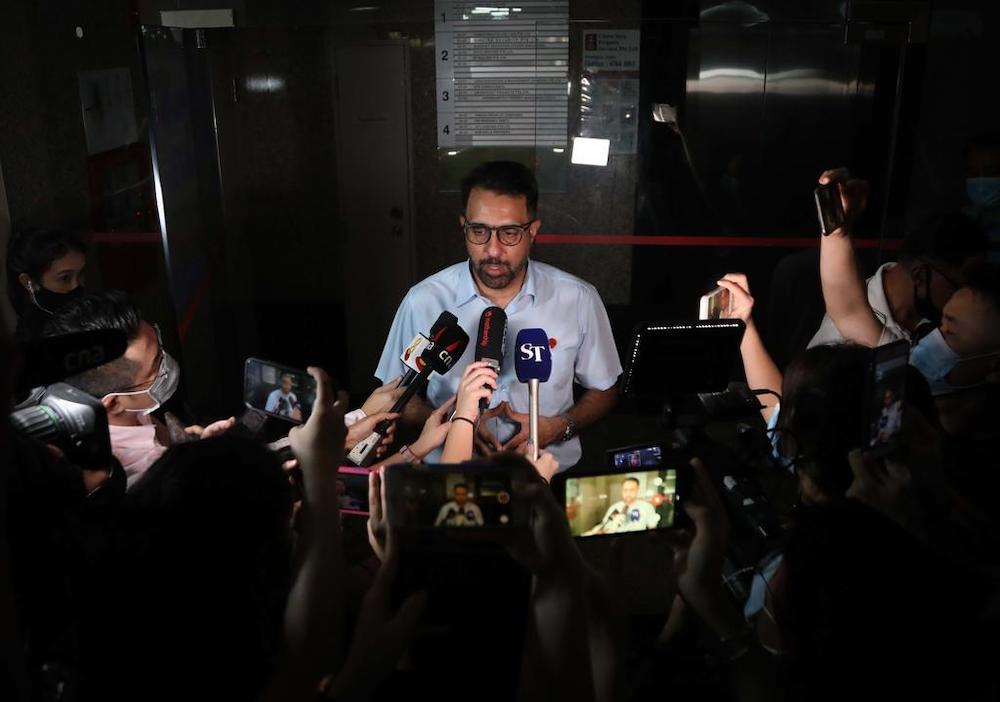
(507, 234)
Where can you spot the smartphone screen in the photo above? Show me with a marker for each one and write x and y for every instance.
(453, 497)
(829, 208)
(280, 391)
(352, 490)
(714, 305)
(622, 502)
(886, 388)
(642, 456)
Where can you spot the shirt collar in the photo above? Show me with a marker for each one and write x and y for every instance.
(467, 291)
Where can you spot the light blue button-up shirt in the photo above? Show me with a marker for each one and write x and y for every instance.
(570, 311)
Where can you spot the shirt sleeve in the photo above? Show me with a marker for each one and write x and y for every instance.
(478, 514)
(442, 514)
(597, 365)
(272, 402)
(400, 334)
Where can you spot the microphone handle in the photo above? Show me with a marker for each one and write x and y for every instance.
(495, 365)
(411, 390)
(533, 417)
(407, 378)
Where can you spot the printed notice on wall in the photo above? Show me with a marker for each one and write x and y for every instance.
(609, 88)
(502, 72)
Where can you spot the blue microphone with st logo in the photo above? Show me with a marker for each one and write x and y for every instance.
(533, 364)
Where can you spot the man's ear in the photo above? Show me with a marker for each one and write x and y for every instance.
(533, 231)
(919, 274)
(25, 280)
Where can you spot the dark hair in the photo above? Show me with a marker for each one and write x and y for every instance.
(32, 251)
(112, 309)
(634, 480)
(950, 238)
(861, 610)
(208, 566)
(456, 486)
(503, 177)
(822, 411)
(983, 278)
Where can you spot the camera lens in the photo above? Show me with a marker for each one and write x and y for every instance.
(40, 422)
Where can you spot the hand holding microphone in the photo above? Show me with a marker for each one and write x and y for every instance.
(477, 386)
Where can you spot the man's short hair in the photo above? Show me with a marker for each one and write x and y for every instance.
(950, 238)
(630, 478)
(503, 177)
(460, 485)
(291, 379)
(112, 309)
(983, 278)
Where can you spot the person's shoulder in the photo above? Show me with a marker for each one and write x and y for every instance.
(559, 277)
(443, 280)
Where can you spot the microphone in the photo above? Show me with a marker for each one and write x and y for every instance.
(533, 364)
(416, 347)
(443, 352)
(56, 358)
(491, 341)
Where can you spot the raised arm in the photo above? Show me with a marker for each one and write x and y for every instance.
(844, 291)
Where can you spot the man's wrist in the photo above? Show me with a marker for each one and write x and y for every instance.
(569, 427)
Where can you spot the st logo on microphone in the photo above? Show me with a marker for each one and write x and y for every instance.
(532, 352)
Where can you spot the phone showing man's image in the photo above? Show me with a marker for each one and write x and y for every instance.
(639, 491)
(829, 208)
(462, 498)
(352, 490)
(885, 395)
(278, 390)
(714, 305)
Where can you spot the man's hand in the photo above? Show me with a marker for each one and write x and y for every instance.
(853, 196)
(486, 441)
(546, 466)
(383, 398)
(377, 524)
(740, 299)
(364, 427)
(319, 443)
(550, 429)
(214, 429)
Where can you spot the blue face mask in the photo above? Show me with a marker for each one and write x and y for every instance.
(983, 192)
(936, 360)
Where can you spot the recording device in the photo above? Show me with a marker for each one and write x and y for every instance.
(353, 497)
(885, 393)
(491, 341)
(56, 358)
(278, 391)
(473, 499)
(668, 360)
(71, 420)
(447, 346)
(638, 491)
(533, 364)
(829, 208)
(715, 304)
(416, 347)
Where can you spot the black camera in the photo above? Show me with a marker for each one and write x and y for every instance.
(71, 420)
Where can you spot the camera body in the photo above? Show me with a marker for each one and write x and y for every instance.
(71, 420)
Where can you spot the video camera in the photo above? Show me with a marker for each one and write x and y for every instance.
(57, 413)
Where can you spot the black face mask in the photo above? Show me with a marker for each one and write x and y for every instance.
(52, 302)
(923, 305)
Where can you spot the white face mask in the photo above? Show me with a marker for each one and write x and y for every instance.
(160, 390)
(936, 360)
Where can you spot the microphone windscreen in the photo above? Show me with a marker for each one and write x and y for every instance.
(492, 336)
(532, 356)
(449, 345)
(55, 358)
(445, 319)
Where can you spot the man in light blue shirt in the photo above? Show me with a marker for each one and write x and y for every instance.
(500, 224)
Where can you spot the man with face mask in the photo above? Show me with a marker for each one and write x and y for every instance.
(130, 387)
(904, 299)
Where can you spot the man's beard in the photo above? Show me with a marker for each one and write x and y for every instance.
(497, 282)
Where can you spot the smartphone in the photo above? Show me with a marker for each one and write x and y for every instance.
(352, 490)
(829, 208)
(885, 396)
(714, 305)
(638, 456)
(467, 497)
(625, 501)
(279, 391)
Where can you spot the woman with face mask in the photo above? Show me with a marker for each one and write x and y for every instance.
(44, 272)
